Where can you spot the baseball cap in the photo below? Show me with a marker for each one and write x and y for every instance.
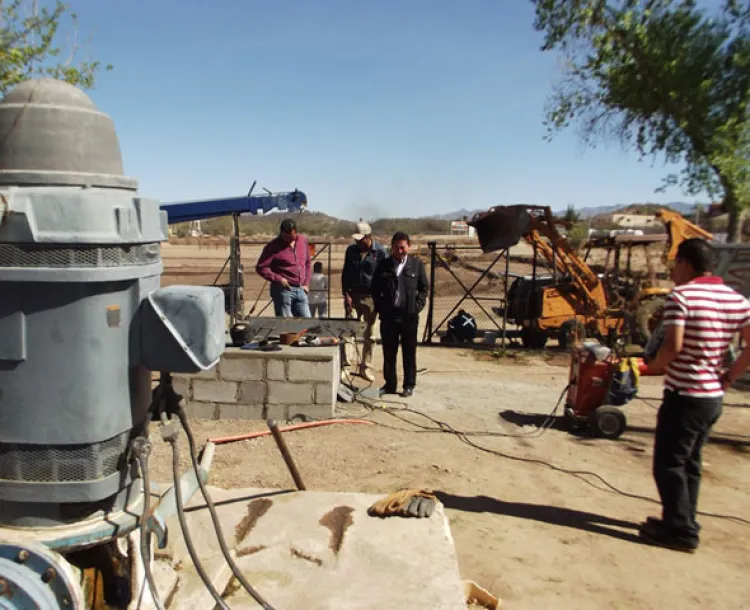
(363, 230)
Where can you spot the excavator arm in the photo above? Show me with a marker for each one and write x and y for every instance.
(504, 226)
(678, 230)
(562, 257)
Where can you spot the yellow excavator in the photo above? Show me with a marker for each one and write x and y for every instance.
(642, 294)
(573, 300)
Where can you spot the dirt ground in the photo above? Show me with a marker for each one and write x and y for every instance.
(536, 537)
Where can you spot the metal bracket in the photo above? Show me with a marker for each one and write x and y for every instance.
(158, 527)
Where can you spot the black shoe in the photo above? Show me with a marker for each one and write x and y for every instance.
(657, 535)
(407, 392)
(658, 522)
(383, 391)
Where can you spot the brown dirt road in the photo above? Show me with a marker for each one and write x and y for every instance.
(536, 537)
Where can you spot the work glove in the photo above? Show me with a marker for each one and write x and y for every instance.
(404, 503)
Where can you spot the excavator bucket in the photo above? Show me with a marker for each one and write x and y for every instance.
(501, 227)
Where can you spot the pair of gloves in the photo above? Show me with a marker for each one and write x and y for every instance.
(418, 503)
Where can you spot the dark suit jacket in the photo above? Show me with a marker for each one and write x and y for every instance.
(385, 283)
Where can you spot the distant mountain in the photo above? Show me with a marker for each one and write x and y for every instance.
(458, 214)
(677, 206)
(588, 212)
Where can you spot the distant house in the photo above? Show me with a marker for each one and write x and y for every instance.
(635, 221)
(461, 227)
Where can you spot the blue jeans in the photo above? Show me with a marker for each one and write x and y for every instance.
(319, 310)
(289, 302)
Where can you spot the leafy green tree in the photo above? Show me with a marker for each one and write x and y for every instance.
(30, 46)
(663, 76)
(571, 215)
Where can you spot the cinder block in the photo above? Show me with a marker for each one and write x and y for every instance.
(215, 391)
(202, 410)
(242, 369)
(277, 412)
(285, 393)
(228, 411)
(301, 370)
(181, 385)
(212, 373)
(324, 394)
(312, 411)
(252, 392)
(276, 370)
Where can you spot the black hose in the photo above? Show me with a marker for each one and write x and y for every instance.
(214, 517)
(144, 533)
(183, 526)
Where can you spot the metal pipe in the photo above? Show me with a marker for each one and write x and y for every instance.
(328, 308)
(276, 433)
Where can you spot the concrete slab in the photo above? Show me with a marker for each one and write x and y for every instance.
(319, 551)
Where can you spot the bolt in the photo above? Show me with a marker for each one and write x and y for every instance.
(66, 601)
(23, 556)
(49, 574)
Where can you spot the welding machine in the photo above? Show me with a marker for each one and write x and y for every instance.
(599, 383)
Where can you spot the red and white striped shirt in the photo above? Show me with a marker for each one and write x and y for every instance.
(711, 314)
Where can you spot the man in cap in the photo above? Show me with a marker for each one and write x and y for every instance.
(360, 262)
(285, 262)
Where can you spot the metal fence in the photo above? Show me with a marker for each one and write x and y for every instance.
(209, 264)
(465, 278)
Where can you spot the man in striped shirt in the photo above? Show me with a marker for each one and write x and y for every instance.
(701, 317)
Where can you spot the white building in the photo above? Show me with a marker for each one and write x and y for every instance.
(461, 227)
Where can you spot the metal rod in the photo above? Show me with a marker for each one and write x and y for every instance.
(281, 444)
(427, 337)
(328, 305)
(505, 288)
(554, 266)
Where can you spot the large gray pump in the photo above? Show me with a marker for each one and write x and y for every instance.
(83, 321)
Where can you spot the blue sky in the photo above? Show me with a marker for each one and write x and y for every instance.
(372, 108)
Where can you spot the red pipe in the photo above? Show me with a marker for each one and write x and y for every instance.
(313, 424)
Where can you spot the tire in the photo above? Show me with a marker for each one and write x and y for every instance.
(533, 338)
(567, 334)
(608, 422)
(648, 316)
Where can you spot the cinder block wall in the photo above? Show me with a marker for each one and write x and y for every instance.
(248, 384)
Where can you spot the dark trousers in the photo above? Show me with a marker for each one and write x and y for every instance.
(682, 428)
(398, 328)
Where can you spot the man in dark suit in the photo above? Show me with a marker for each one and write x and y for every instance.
(399, 292)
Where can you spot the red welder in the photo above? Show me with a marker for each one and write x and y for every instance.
(594, 394)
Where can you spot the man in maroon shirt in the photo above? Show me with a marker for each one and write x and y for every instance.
(285, 262)
(701, 317)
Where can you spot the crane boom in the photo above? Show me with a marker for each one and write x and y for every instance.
(186, 211)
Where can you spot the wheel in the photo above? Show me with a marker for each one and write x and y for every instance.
(533, 338)
(608, 422)
(567, 334)
(648, 317)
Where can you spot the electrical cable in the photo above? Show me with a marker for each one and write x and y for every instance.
(183, 526)
(214, 517)
(583, 475)
(714, 434)
(142, 458)
(548, 422)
